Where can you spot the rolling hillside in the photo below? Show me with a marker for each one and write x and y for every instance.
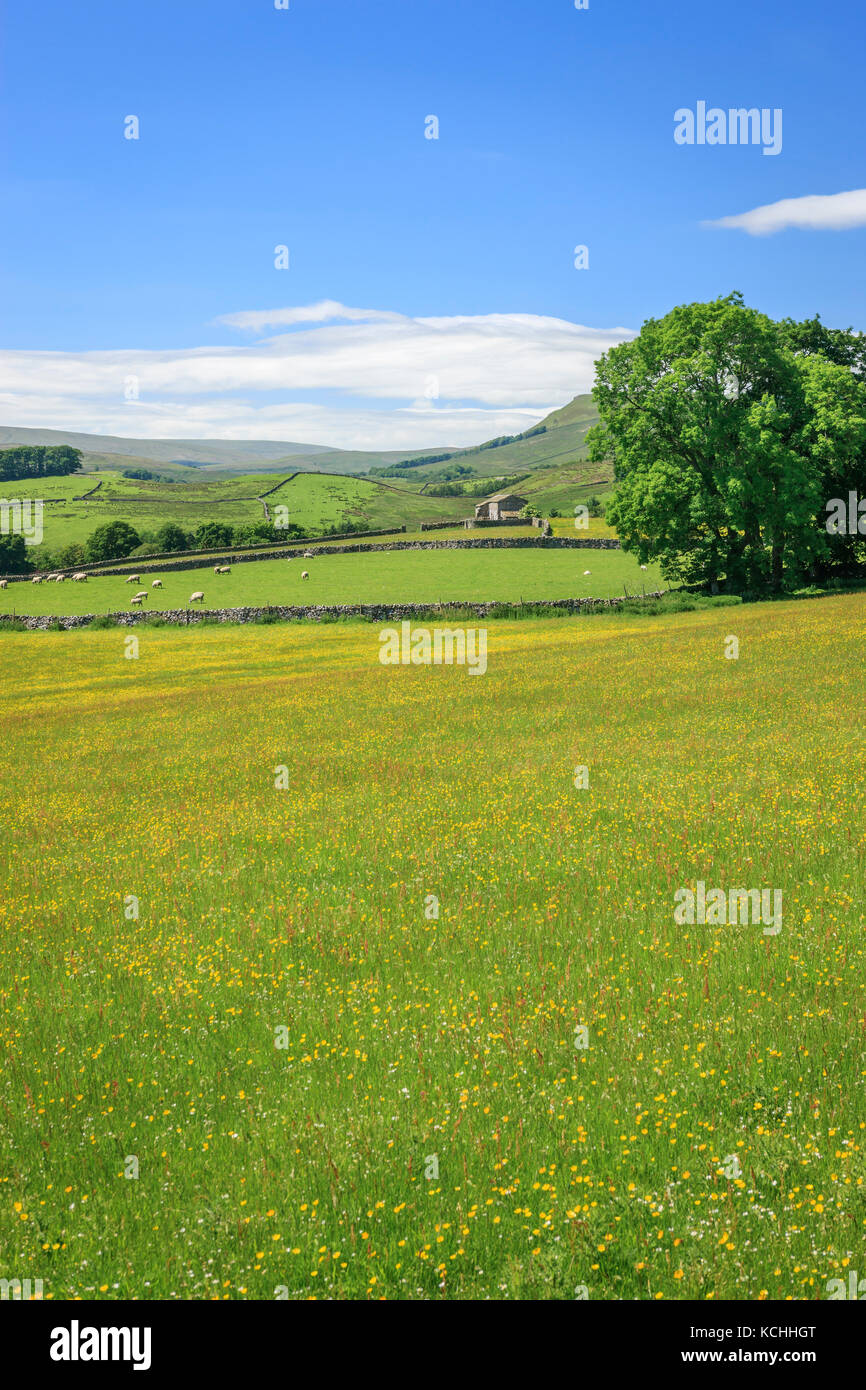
(244, 455)
(562, 439)
(316, 488)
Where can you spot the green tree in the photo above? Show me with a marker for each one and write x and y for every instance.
(72, 554)
(212, 533)
(13, 555)
(113, 541)
(722, 436)
(172, 537)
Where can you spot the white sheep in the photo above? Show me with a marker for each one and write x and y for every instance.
(134, 579)
(37, 579)
(309, 555)
(59, 578)
(217, 570)
(136, 598)
(197, 597)
(157, 584)
(3, 584)
(587, 572)
(80, 578)
(304, 574)
(643, 567)
(225, 569)
(142, 593)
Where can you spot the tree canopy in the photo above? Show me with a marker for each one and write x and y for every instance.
(38, 461)
(113, 541)
(729, 434)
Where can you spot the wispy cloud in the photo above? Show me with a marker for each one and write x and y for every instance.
(446, 380)
(326, 311)
(832, 212)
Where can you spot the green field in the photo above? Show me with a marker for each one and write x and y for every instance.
(558, 476)
(313, 500)
(291, 1071)
(407, 576)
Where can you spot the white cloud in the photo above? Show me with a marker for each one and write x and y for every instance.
(817, 212)
(323, 312)
(456, 380)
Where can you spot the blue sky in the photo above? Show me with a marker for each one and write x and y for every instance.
(122, 259)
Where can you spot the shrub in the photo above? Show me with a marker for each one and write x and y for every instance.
(171, 537)
(212, 533)
(113, 541)
(13, 555)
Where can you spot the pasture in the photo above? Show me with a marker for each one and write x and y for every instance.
(313, 500)
(242, 1056)
(397, 576)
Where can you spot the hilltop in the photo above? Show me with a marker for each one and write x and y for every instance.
(555, 439)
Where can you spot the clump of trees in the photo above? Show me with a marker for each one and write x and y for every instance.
(13, 555)
(38, 461)
(729, 434)
(118, 540)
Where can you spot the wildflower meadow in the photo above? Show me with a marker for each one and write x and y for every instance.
(323, 978)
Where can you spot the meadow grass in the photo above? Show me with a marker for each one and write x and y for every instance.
(408, 576)
(313, 500)
(430, 1128)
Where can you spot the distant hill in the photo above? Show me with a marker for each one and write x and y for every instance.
(559, 438)
(237, 453)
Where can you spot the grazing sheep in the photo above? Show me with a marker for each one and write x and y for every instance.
(134, 579)
(197, 597)
(59, 578)
(309, 555)
(587, 571)
(643, 567)
(136, 598)
(142, 593)
(37, 579)
(304, 574)
(80, 578)
(157, 584)
(3, 584)
(224, 569)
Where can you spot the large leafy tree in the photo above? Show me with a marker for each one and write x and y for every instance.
(726, 430)
(113, 541)
(13, 555)
(212, 533)
(172, 537)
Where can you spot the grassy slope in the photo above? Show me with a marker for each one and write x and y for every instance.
(314, 500)
(245, 453)
(407, 1037)
(562, 442)
(563, 478)
(425, 576)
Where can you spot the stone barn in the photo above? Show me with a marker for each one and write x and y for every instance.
(500, 507)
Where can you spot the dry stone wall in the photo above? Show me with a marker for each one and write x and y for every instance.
(373, 612)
